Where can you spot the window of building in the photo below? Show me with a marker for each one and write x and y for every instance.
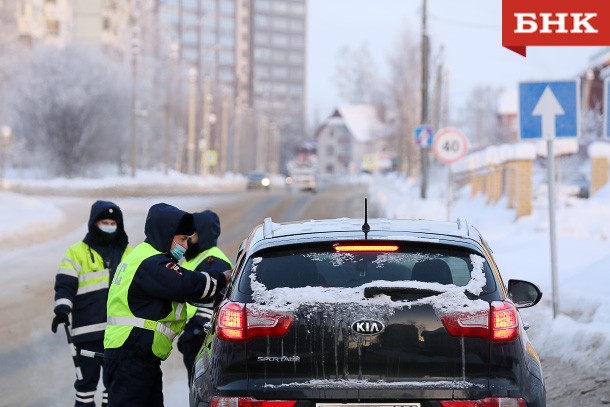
(262, 5)
(189, 19)
(208, 39)
(279, 23)
(297, 41)
(297, 8)
(227, 25)
(296, 90)
(278, 56)
(227, 40)
(226, 75)
(262, 39)
(261, 21)
(209, 9)
(227, 57)
(279, 40)
(330, 150)
(262, 54)
(297, 25)
(280, 7)
(296, 58)
(280, 72)
(227, 7)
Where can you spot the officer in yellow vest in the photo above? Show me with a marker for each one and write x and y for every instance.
(147, 310)
(202, 255)
(81, 289)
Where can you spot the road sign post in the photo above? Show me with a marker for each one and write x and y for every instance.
(548, 110)
(423, 138)
(449, 145)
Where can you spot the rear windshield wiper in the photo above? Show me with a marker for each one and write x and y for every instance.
(404, 292)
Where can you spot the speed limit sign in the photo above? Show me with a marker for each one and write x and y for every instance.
(449, 145)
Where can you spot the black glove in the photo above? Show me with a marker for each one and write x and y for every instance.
(60, 318)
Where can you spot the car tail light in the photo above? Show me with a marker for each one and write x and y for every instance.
(499, 324)
(365, 248)
(504, 322)
(487, 402)
(237, 322)
(249, 402)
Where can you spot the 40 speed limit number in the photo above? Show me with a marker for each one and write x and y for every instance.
(449, 145)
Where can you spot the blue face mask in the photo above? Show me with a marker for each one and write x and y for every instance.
(107, 229)
(178, 251)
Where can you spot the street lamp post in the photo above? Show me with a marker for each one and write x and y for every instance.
(191, 121)
(208, 120)
(174, 52)
(7, 135)
(135, 48)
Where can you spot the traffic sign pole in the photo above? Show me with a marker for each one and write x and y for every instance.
(552, 229)
(548, 110)
(449, 145)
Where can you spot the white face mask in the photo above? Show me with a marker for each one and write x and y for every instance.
(107, 229)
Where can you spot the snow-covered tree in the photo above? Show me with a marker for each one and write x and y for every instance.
(70, 109)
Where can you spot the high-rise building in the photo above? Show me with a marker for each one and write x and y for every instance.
(253, 53)
(278, 49)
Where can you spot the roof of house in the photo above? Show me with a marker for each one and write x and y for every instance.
(361, 120)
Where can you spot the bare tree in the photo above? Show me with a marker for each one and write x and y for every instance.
(480, 117)
(403, 88)
(357, 77)
(70, 109)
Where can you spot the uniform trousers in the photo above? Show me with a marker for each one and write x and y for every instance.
(90, 370)
(134, 378)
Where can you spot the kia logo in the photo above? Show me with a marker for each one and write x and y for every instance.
(368, 327)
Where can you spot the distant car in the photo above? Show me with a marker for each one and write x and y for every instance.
(258, 180)
(342, 312)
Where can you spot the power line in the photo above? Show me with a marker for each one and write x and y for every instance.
(465, 23)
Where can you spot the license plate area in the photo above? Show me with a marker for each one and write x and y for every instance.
(368, 405)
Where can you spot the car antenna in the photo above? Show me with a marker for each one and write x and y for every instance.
(365, 227)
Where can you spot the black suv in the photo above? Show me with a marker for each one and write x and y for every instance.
(349, 312)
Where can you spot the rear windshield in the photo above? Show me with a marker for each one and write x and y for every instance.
(321, 266)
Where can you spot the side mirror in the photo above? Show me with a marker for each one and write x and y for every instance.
(523, 293)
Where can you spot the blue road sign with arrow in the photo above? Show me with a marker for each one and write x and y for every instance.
(423, 135)
(549, 109)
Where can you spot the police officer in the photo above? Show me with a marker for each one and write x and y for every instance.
(81, 289)
(147, 310)
(202, 255)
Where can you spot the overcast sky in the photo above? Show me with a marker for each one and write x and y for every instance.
(469, 30)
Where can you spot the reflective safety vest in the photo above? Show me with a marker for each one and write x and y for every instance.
(121, 320)
(192, 265)
(86, 299)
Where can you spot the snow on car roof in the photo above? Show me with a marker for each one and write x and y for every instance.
(395, 226)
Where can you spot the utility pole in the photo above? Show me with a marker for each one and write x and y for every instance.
(425, 45)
